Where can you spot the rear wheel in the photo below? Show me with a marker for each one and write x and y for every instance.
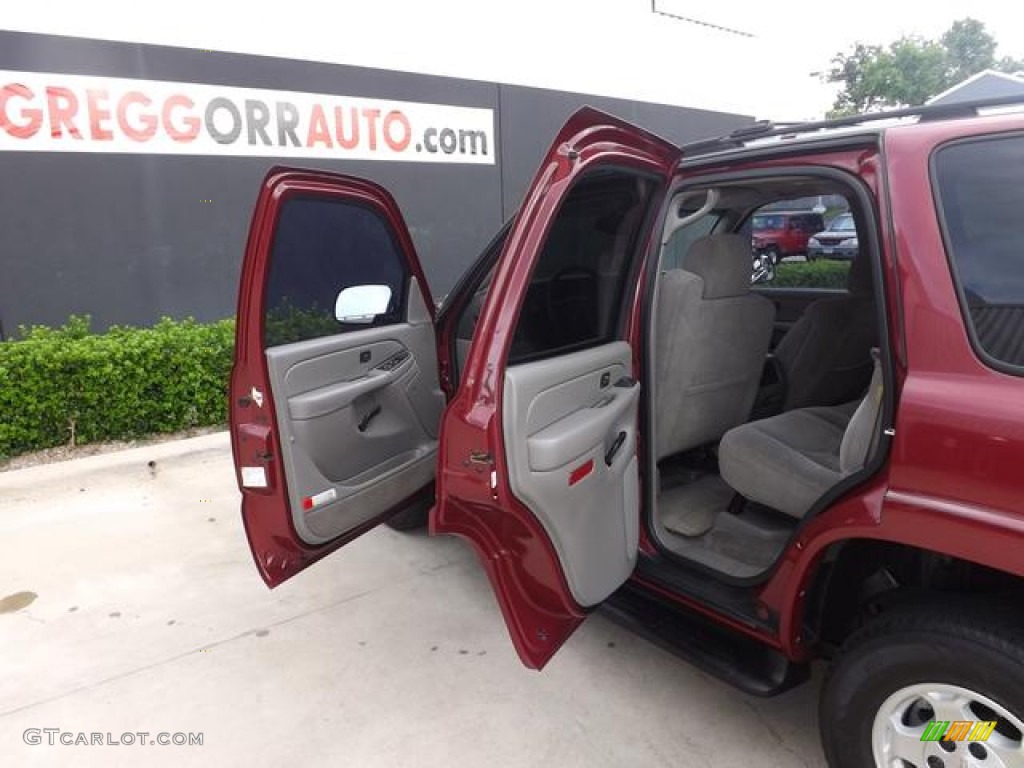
(914, 666)
(774, 255)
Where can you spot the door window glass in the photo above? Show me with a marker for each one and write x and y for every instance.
(981, 197)
(575, 293)
(321, 249)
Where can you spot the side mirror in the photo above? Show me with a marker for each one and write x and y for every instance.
(361, 304)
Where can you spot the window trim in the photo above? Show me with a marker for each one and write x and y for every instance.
(403, 260)
(979, 350)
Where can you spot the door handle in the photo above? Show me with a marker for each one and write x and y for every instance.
(609, 457)
(365, 421)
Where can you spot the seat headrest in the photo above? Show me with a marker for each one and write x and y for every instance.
(723, 262)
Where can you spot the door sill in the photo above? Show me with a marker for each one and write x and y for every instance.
(732, 657)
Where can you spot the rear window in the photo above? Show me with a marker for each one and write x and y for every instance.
(980, 186)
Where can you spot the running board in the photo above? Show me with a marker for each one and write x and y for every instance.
(739, 660)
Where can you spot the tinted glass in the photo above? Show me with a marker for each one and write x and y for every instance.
(981, 197)
(763, 221)
(575, 293)
(320, 248)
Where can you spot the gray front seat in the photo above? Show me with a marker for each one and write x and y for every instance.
(788, 461)
(826, 355)
(712, 336)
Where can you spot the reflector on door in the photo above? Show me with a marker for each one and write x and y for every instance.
(319, 499)
(254, 477)
(580, 472)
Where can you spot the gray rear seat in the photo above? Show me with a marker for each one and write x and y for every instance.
(788, 461)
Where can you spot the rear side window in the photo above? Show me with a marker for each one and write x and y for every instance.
(980, 187)
(575, 294)
(321, 248)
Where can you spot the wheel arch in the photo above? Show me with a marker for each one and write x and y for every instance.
(856, 579)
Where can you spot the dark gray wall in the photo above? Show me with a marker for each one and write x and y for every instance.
(127, 239)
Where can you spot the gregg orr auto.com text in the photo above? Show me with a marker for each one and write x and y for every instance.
(66, 113)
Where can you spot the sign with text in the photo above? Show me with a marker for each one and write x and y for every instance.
(71, 113)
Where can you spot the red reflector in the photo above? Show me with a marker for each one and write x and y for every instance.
(307, 503)
(580, 472)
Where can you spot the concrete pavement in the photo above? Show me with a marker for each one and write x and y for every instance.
(149, 616)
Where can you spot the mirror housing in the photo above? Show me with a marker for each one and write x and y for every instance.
(361, 304)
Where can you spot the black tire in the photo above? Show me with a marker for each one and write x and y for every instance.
(414, 516)
(774, 255)
(975, 646)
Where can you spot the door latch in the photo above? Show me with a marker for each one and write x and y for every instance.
(480, 457)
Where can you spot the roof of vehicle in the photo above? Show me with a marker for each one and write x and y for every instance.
(766, 134)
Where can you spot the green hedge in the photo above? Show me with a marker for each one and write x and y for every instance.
(811, 274)
(67, 385)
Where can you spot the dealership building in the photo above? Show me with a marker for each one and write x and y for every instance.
(131, 168)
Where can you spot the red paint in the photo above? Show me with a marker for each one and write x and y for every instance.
(147, 122)
(371, 116)
(392, 120)
(952, 483)
(520, 560)
(581, 471)
(99, 113)
(318, 133)
(62, 105)
(31, 117)
(347, 142)
(277, 549)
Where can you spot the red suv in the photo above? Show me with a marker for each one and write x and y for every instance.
(611, 416)
(780, 234)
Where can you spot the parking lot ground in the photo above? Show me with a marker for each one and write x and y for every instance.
(137, 608)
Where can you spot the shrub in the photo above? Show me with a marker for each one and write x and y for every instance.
(811, 274)
(67, 385)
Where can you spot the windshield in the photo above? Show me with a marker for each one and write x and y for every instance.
(842, 223)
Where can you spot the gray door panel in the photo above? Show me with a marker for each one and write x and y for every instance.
(358, 414)
(562, 418)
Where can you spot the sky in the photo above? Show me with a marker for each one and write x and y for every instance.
(609, 47)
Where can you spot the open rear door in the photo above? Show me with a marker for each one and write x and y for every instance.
(335, 402)
(538, 468)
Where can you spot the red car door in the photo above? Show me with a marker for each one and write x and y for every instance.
(537, 466)
(335, 402)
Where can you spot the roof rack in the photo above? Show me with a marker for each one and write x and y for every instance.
(765, 128)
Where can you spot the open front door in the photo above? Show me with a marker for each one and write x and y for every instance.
(335, 402)
(538, 467)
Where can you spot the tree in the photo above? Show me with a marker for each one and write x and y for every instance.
(911, 70)
(969, 49)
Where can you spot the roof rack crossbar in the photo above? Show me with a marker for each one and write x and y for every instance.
(766, 129)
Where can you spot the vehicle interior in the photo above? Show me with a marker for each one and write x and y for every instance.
(764, 398)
